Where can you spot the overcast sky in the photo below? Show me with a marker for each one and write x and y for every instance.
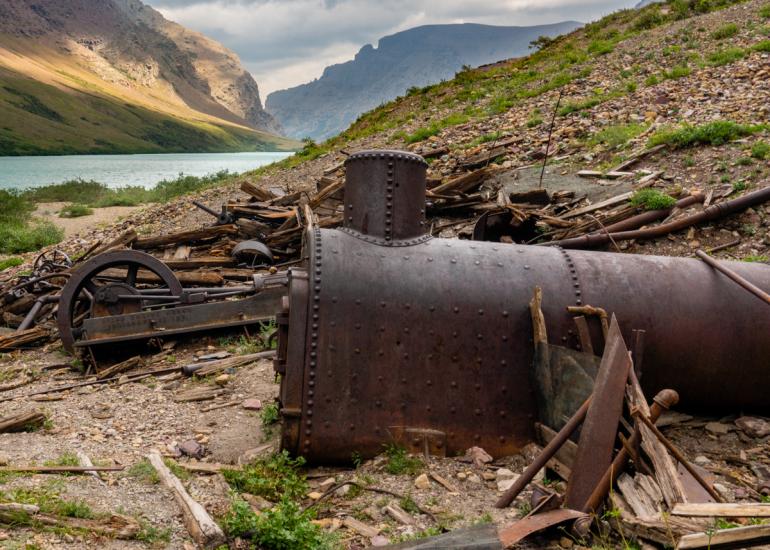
(289, 42)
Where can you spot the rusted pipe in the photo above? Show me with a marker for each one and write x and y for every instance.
(29, 319)
(663, 401)
(547, 454)
(755, 290)
(713, 212)
(650, 216)
(678, 456)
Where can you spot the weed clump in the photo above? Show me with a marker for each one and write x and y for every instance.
(282, 527)
(10, 262)
(652, 199)
(399, 462)
(273, 478)
(725, 31)
(713, 133)
(75, 211)
(724, 57)
(760, 150)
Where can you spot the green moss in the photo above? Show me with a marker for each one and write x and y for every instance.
(652, 199)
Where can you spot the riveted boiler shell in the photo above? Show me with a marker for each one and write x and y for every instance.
(437, 335)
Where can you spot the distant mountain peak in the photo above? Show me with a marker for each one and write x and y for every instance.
(415, 57)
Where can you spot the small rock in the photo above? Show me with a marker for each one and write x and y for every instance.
(565, 542)
(462, 476)
(314, 495)
(4, 535)
(473, 478)
(505, 484)
(379, 540)
(717, 428)
(192, 449)
(327, 484)
(753, 427)
(505, 473)
(701, 460)
(252, 404)
(422, 482)
(488, 476)
(722, 490)
(4, 460)
(478, 456)
(222, 379)
(342, 491)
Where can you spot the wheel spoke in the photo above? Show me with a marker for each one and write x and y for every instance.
(133, 269)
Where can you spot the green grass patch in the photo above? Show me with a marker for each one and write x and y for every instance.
(273, 478)
(65, 459)
(75, 211)
(760, 150)
(617, 135)
(17, 232)
(10, 262)
(726, 56)
(712, 133)
(725, 31)
(283, 527)
(153, 535)
(679, 71)
(400, 463)
(144, 471)
(269, 414)
(763, 46)
(764, 11)
(49, 502)
(421, 134)
(755, 258)
(652, 199)
(601, 47)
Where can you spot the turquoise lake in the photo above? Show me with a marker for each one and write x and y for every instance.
(123, 170)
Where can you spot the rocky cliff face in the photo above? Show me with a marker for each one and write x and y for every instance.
(131, 46)
(416, 57)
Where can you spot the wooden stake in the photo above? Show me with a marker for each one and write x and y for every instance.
(202, 528)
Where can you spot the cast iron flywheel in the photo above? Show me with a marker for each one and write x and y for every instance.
(90, 285)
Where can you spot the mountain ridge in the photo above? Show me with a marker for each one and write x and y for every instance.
(190, 91)
(415, 57)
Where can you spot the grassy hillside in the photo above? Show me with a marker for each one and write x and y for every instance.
(38, 118)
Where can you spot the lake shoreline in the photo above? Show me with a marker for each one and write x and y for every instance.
(141, 170)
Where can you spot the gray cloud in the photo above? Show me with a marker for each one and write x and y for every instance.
(288, 42)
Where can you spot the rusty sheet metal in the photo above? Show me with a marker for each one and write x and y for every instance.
(516, 532)
(182, 319)
(597, 437)
(436, 334)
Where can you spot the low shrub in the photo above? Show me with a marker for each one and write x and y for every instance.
(652, 199)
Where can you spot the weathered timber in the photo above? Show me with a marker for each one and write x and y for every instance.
(738, 537)
(197, 263)
(723, 509)
(191, 278)
(22, 421)
(129, 364)
(21, 338)
(202, 528)
(257, 192)
(197, 235)
(462, 184)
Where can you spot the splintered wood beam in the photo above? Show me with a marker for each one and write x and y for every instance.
(539, 332)
(202, 528)
(186, 237)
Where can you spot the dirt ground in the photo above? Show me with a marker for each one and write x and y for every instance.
(74, 226)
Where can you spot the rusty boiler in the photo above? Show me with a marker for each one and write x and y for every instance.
(389, 334)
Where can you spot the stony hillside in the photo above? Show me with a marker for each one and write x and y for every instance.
(415, 57)
(683, 88)
(115, 76)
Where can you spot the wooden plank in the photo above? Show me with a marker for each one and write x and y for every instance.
(723, 509)
(22, 338)
(22, 421)
(539, 332)
(639, 501)
(612, 201)
(119, 368)
(665, 471)
(186, 237)
(739, 537)
(598, 434)
(462, 184)
(202, 528)
(197, 263)
(255, 191)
